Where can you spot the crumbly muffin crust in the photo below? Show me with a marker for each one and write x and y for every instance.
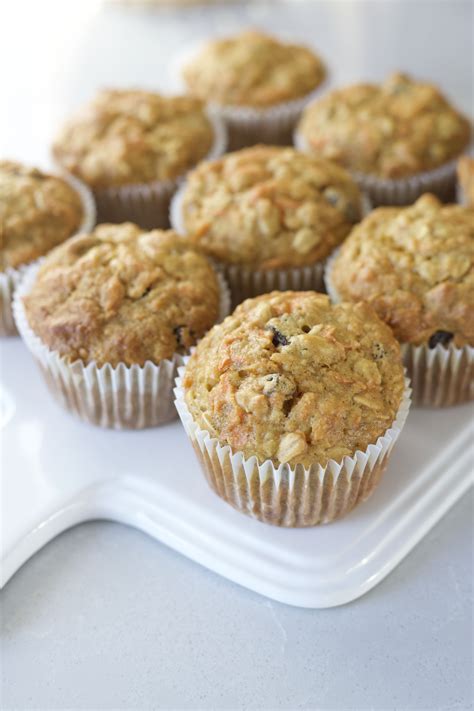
(291, 378)
(37, 212)
(393, 130)
(415, 266)
(466, 178)
(129, 136)
(269, 207)
(253, 69)
(121, 295)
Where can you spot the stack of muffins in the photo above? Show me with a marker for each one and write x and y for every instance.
(294, 401)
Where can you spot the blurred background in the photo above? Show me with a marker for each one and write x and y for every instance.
(55, 53)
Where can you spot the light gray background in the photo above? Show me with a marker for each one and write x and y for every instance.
(104, 617)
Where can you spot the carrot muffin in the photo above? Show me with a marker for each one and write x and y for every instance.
(415, 267)
(292, 379)
(466, 179)
(394, 131)
(37, 212)
(257, 83)
(130, 147)
(253, 69)
(268, 208)
(108, 314)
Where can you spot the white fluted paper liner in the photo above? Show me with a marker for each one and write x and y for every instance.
(402, 191)
(248, 125)
(147, 204)
(245, 282)
(284, 495)
(121, 397)
(10, 278)
(440, 376)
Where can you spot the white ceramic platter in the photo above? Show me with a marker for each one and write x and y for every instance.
(58, 472)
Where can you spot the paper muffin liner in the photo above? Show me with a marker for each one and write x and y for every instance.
(403, 191)
(10, 278)
(440, 376)
(121, 397)
(284, 495)
(147, 204)
(245, 282)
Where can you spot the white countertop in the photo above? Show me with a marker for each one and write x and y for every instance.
(105, 617)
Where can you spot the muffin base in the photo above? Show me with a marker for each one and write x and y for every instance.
(290, 496)
(147, 204)
(404, 191)
(121, 397)
(10, 279)
(440, 376)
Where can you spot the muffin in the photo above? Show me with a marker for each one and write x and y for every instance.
(466, 180)
(399, 139)
(268, 215)
(131, 146)
(37, 212)
(285, 399)
(108, 316)
(257, 83)
(415, 267)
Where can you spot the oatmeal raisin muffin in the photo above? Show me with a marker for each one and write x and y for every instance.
(415, 267)
(292, 380)
(37, 212)
(130, 146)
(268, 208)
(259, 82)
(466, 180)
(117, 305)
(395, 131)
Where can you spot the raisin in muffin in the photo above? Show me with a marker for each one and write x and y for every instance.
(415, 267)
(130, 146)
(257, 83)
(394, 131)
(268, 208)
(117, 300)
(292, 380)
(466, 180)
(37, 212)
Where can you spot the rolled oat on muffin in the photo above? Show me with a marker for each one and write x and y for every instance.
(415, 267)
(399, 138)
(258, 83)
(286, 402)
(268, 215)
(465, 170)
(37, 212)
(131, 147)
(108, 316)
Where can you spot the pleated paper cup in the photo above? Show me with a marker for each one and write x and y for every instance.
(147, 204)
(10, 278)
(121, 397)
(245, 282)
(441, 376)
(284, 495)
(403, 191)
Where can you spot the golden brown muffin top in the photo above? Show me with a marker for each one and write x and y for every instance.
(269, 207)
(393, 130)
(253, 69)
(466, 179)
(291, 378)
(130, 136)
(37, 212)
(121, 295)
(415, 266)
